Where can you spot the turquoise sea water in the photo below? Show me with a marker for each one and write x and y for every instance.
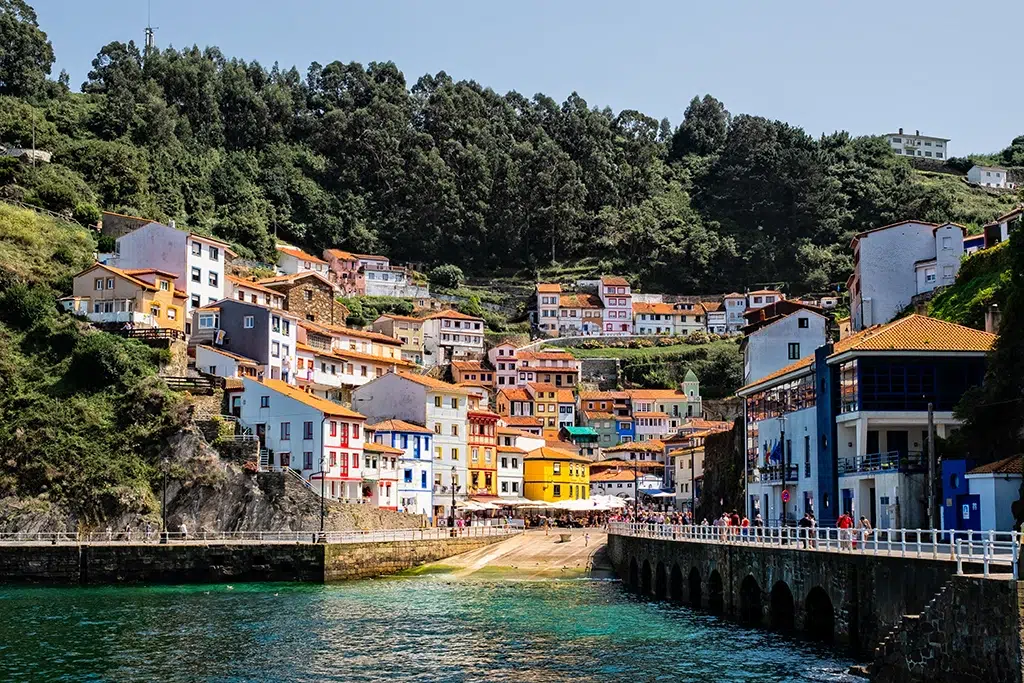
(428, 628)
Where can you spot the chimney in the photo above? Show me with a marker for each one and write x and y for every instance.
(171, 224)
(917, 132)
(901, 131)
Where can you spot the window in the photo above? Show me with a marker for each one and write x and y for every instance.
(275, 324)
(803, 323)
(172, 313)
(275, 350)
(98, 284)
(197, 249)
(307, 430)
(407, 476)
(437, 449)
(362, 370)
(248, 322)
(947, 272)
(807, 456)
(455, 454)
(355, 431)
(947, 242)
(794, 351)
(307, 294)
(214, 253)
(455, 430)
(334, 428)
(437, 403)
(286, 431)
(197, 275)
(264, 401)
(557, 493)
(195, 301)
(307, 460)
(929, 275)
(165, 286)
(455, 403)
(504, 487)
(557, 468)
(208, 321)
(286, 328)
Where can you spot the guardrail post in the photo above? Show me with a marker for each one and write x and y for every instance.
(1015, 549)
(959, 558)
(985, 556)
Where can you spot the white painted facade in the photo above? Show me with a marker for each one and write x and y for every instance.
(917, 145)
(415, 474)
(734, 305)
(444, 411)
(217, 362)
(995, 492)
(198, 261)
(617, 299)
(886, 272)
(778, 344)
(291, 260)
(451, 336)
(623, 487)
(765, 480)
(503, 359)
(988, 176)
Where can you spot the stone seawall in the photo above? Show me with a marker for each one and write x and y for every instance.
(100, 564)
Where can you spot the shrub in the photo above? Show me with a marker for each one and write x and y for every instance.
(697, 337)
(102, 360)
(447, 276)
(86, 214)
(22, 305)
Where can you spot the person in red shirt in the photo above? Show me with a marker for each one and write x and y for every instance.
(845, 523)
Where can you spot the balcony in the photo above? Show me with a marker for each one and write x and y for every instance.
(891, 461)
(773, 474)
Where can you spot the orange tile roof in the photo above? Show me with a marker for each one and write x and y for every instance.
(1006, 216)
(299, 254)
(398, 426)
(469, 365)
(920, 333)
(483, 414)
(612, 475)
(453, 314)
(581, 300)
(549, 453)
(1011, 465)
(120, 273)
(431, 383)
(656, 309)
(382, 448)
(544, 355)
(655, 394)
(522, 420)
(596, 396)
(516, 450)
(345, 354)
(565, 396)
(711, 306)
(614, 280)
(325, 328)
(405, 318)
(548, 288)
(322, 404)
(515, 394)
(148, 271)
(293, 277)
(513, 431)
(343, 255)
(596, 415)
(619, 462)
(652, 446)
(765, 291)
(252, 284)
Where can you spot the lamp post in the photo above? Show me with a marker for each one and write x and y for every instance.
(163, 505)
(451, 517)
(782, 447)
(322, 491)
(636, 491)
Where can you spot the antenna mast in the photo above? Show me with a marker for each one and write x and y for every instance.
(150, 29)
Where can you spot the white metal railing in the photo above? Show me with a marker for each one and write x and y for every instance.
(140, 536)
(986, 548)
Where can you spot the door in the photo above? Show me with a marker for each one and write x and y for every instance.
(872, 507)
(848, 501)
(968, 516)
(236, 406)
(261, 434)
(872, 445)
(897, 441)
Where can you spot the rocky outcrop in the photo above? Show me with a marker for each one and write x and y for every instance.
(205, 491)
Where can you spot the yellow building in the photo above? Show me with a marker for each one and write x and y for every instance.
(143, 297)
(552, 475)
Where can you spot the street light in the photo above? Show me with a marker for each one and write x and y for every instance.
(163, 505)
(636, 490)
(782, 456)
(322, 480)
(451, 517)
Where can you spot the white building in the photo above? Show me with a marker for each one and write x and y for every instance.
(617, 300)
(548, 296)
(917, 145)
(715, 317)
(735, 305)
(319, 439)
(437, 405)
(253, 292)
(197, 260)
(894, 263)
(503, 359)
(266, 336)
(380, 474)
(415, 464)
(292, 260)
(449, 335)
(988, 176)
(787, 334)
(621, 482)
(513, 445)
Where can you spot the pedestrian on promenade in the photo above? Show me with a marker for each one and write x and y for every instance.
(865, 530)
(184, 531)
(586, 539)
(110, 533)
(149, 531)
(734, 523)
(845, 524)
(805, 525)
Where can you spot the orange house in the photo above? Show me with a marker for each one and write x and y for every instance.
(483, 443)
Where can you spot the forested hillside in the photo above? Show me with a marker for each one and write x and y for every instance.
(434, 170)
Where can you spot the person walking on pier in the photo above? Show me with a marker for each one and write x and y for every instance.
(845, 524)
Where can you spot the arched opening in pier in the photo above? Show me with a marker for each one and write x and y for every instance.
(660, 581)
(675, 584)
(694, 581)
(645, 578)
(751, 602)
(716, 593)
(783, 613)
(819, 618)
(634, 575)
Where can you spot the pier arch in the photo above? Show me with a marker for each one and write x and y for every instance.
(694, 585)
(675, 583)
(634, 575)
(751, 601)
(819, 616)
(716, 593)
(782, 609)
(660, 581)
(645, 578)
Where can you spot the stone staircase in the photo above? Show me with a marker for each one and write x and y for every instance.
(912, 628)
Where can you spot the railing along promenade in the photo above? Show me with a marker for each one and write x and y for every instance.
(255, 537)
(991, 549)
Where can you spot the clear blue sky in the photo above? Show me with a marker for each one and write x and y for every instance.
(945, 67)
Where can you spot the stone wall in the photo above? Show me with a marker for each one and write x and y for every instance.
(213, 562)
(867, 596)
(322, 307)
(602, 372)
(970, 631)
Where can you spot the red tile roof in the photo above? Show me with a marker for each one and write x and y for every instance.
(548, 288)
(322, 404)
(615, 280)
(299, 254)
(398, 426)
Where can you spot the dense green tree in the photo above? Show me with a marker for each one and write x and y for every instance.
(703, 130)
(26, 55)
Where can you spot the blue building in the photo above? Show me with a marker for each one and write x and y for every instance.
(415, 466)
(846, 428)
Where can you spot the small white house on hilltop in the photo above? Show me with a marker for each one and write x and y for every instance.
(988, 176)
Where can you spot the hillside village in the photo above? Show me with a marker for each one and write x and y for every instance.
(428, 413)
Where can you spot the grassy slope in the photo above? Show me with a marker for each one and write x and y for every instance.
(982, 280)
(653, 352)
(968, 205)
(80, 411)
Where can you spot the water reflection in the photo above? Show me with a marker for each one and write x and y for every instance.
(403, 629)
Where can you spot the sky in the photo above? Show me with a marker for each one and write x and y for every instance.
(944, 67)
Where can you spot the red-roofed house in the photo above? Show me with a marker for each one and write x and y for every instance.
(292, 260)
(617, 299)
(450, 335)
